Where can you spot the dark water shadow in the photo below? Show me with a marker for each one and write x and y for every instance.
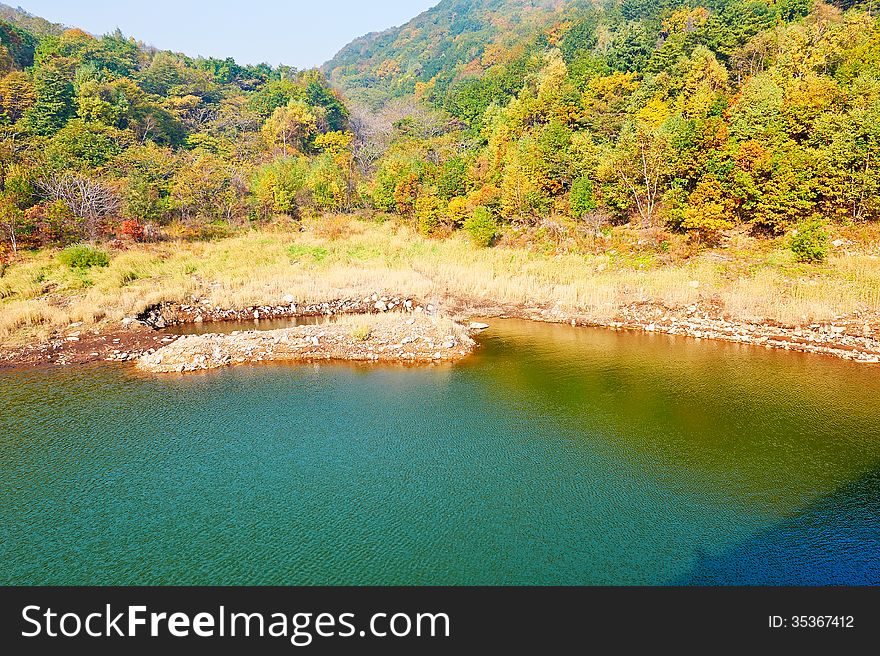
(835, 541)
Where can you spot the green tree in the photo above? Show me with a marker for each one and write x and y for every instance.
(54, 96)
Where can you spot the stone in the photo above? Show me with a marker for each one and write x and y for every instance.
(837, 243)
(476, 325)
(288, 299)
(380, 305)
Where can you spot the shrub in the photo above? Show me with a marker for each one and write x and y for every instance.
(581, 198)
(707, 214)
(429, 214)
(133, 229)
(481, 227)
(361, 333)
(809, 243)
(83, 256)
(457, 211)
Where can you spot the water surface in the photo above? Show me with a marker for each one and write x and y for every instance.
(554, 456)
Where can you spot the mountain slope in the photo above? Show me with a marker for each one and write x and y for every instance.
(24, 20)
(438, 43)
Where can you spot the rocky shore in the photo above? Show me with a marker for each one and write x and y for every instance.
(389, 338)
(163, 316)
(854, 337)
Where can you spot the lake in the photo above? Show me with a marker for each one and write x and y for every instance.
(555, 455)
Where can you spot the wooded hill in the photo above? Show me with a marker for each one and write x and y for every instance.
(681, 117)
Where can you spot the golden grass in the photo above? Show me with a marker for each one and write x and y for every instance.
(353, 259)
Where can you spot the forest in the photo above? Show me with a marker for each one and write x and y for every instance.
(684, 120)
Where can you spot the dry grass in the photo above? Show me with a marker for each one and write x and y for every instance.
(350, 258)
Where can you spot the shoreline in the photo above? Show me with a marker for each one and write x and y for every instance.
(855, 337)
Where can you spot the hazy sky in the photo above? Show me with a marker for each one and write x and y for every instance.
(299, 33)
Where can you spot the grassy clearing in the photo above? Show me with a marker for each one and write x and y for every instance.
(39, 295)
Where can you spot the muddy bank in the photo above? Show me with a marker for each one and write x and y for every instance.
(390, 338)
(73, 347)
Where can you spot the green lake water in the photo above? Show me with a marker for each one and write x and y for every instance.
(555, 455)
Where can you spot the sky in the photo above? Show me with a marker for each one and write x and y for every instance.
(300, 33)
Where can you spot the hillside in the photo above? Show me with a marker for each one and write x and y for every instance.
(437, 44)
(26, 21)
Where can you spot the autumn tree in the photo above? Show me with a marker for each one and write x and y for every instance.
(17, 96)
(290, 126)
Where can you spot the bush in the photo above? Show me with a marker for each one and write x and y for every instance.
(429, 214)
(581, 198)
(83, 257)
(133, 229)
(361, 332)
(809, 243)
(481, 227)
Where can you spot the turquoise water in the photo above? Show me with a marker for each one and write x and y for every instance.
(555, 455)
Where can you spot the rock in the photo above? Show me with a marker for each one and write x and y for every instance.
(651, 327)
(448, 345)
(837, 243)
(694, 283)
(127, 322)
(408, 305)
(256, 314)
(380, 305)
(408, 340)
(288, 299)
(476, 325)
